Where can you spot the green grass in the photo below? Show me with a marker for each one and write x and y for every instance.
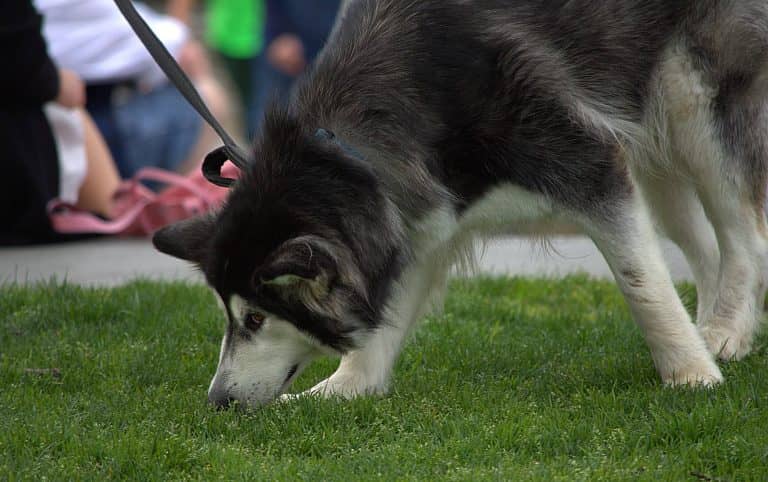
(517, 379)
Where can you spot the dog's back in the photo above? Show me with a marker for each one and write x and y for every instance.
(526, 86)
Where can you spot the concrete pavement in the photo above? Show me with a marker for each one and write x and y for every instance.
(110, 262)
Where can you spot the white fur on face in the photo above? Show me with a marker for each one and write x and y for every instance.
(254, 370)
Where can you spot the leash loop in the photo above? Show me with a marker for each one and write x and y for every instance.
(215, 160)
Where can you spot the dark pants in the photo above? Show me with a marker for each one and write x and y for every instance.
(311, 21)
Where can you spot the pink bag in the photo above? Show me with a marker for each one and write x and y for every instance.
(140, 211)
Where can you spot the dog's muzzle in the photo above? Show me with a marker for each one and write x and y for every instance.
(220, 399)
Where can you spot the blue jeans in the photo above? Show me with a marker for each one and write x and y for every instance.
(156, 129)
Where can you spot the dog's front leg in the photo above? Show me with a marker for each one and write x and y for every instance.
(367, 370)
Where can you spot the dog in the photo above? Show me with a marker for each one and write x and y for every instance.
(426, 125)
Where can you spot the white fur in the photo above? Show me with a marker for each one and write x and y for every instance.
(681, 217)
(255, 371)
(438, 241)
(698, 200)
(678, 351)
(442, 238)
(366, 371)
(667, 180)
(238, 307)
(504, 209)
(633, 253)
(285, 280)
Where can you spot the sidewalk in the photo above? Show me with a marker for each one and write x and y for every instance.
(116, 261)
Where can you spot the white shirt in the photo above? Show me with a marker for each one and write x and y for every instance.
(92, 38)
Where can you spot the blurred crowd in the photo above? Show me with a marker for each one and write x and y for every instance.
(83, 106)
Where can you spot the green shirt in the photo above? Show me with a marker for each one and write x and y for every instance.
(236, 27)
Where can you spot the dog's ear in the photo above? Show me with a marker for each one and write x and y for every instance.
(186, 239)
(305, 259)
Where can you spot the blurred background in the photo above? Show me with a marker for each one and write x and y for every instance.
(85, 110)
(88, 120)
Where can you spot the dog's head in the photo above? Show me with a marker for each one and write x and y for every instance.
(299, 255)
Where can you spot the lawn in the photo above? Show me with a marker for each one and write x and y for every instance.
(518, 379)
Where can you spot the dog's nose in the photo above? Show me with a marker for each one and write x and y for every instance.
(220, 399)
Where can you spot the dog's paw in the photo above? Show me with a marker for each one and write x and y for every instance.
(346, 385)
(339, 385)
(290, 397)
(725, 343)
(699, 373)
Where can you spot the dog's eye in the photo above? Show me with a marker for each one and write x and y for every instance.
(254, 320)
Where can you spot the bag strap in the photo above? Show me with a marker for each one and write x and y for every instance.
(214, 160)
(171, 179)
(68, 219)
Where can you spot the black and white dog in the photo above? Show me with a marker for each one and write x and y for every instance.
(426, 124)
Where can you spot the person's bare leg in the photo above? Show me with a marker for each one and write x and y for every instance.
(101, 179)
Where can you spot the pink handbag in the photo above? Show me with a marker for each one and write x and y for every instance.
(140, 211)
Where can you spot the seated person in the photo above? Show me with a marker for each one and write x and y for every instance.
(145, 121)
(49, 147)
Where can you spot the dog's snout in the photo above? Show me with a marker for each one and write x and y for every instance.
(220, 399)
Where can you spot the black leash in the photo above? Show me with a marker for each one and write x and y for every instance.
(215, 160)
(230, 150)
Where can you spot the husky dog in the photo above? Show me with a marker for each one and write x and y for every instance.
(427, 124)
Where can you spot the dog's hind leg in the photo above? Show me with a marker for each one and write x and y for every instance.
(626, 237)
(734, 197)
(720, 131)
(676, 207)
